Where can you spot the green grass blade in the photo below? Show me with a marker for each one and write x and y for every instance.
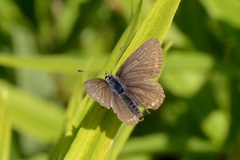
(55, 64)
(5, 125)
(46, 117)
(148, 29)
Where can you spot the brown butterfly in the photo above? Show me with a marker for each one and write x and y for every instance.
(133, 84)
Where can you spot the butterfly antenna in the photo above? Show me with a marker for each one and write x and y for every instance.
(94, 72)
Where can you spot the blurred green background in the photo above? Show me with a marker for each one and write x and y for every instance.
(43, 43)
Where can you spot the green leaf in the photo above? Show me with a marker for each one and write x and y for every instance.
(180, 66)
(32, 115)
(224, 10)
(55, 64)
(5, 124)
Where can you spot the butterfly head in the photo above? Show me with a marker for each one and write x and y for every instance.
(108, 76)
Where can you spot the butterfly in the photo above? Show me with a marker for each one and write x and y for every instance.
(133, 84)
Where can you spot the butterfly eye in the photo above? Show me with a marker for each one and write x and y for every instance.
(107, 76)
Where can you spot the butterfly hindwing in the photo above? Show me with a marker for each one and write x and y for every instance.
(122, 111)
(100, 91)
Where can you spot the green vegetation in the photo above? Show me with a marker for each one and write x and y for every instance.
(46, 114)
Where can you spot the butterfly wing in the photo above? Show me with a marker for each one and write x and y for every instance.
(147, 93)
(137, 72)
(145, 62)
(99, 90)
(122, 111)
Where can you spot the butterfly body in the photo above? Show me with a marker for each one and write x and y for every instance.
(118, 88)
(114, 83)
(133, 84)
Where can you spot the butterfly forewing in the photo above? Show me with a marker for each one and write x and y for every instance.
(99, 90)
(145, 62)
